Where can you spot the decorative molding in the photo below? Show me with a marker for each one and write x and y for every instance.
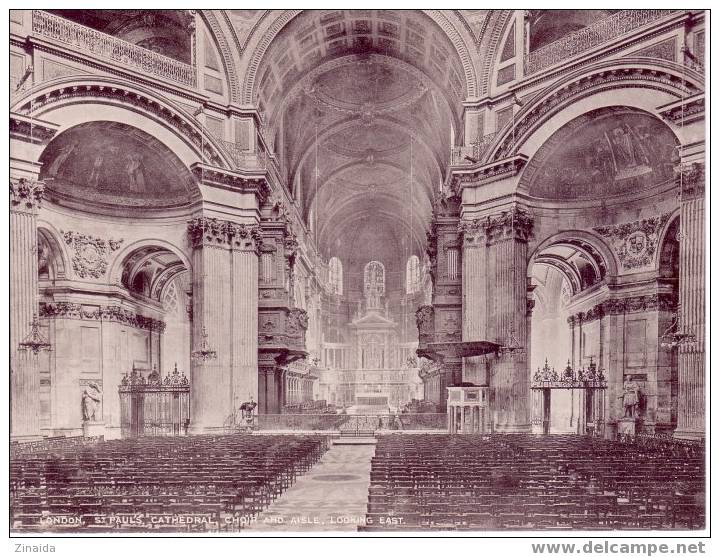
(31, 129)
(205, 232)
(89, 253)
(26, 194)
(487, 173)
(663, 50)
(635, 242)
(225, 51)
(692, 181)
(215, 176)
(120, 92)
(297, 320)
(685, 111)
(620, 306)
(425, 320)
(558, 95)
(117, 314)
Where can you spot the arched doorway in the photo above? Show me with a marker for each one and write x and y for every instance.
(562, 274)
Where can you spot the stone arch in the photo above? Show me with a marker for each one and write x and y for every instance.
(592, 88)
(589, 238)
(67, 99)
(274, 28)
(671, 226)
(489, 43)
(51, 236)
(219, 34)
(124, 256)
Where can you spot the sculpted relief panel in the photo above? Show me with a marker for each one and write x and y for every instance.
(635, 243)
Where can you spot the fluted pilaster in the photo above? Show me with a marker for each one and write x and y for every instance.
(25, 198)
(507, 236)
(225, 283)
(475, 295)
(691, 355)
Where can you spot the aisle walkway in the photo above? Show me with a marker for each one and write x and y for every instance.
(332, 496)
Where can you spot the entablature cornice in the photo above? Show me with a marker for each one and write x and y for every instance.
(32, 130)
(232, 180)
(482, 174)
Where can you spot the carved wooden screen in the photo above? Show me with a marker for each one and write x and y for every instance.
(154, 406)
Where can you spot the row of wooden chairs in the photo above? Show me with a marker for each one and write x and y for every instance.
(199, 483)
(499, 482)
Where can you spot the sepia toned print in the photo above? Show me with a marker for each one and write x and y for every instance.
(359, 271)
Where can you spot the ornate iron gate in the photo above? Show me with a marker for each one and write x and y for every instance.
(154, 405)
(590, 383)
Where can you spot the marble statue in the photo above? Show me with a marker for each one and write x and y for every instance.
(91, 398)
(631, 399)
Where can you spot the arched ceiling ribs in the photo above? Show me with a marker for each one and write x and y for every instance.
(565, 268)
(307, 150)
(417, 236)
(306, 86)
(313, 191)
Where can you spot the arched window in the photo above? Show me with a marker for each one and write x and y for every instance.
(335, 277)
(374, 280)
(412, 275)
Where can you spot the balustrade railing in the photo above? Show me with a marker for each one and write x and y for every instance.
(243, 158)
(586, 38)
(470, 154)
(104, 46)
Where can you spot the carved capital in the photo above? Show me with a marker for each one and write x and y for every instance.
(204, 232)
(473, 233)
(25, 194)
(514, 224)
(692, 181)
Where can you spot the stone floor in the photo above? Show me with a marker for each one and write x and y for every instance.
(331, 497)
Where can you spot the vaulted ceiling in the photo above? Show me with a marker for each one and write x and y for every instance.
(361, 106)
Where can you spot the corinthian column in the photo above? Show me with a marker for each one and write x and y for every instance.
(25, 198)
(507, 237)
(691, 355)
(225, 283)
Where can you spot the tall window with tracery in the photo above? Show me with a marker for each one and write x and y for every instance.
(374, 279)
(412, 275)
(335, 276)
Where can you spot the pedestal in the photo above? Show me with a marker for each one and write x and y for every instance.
(93, 429)
(626, 426)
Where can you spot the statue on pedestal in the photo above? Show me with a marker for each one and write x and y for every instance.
(630, 398)
(91, 398)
